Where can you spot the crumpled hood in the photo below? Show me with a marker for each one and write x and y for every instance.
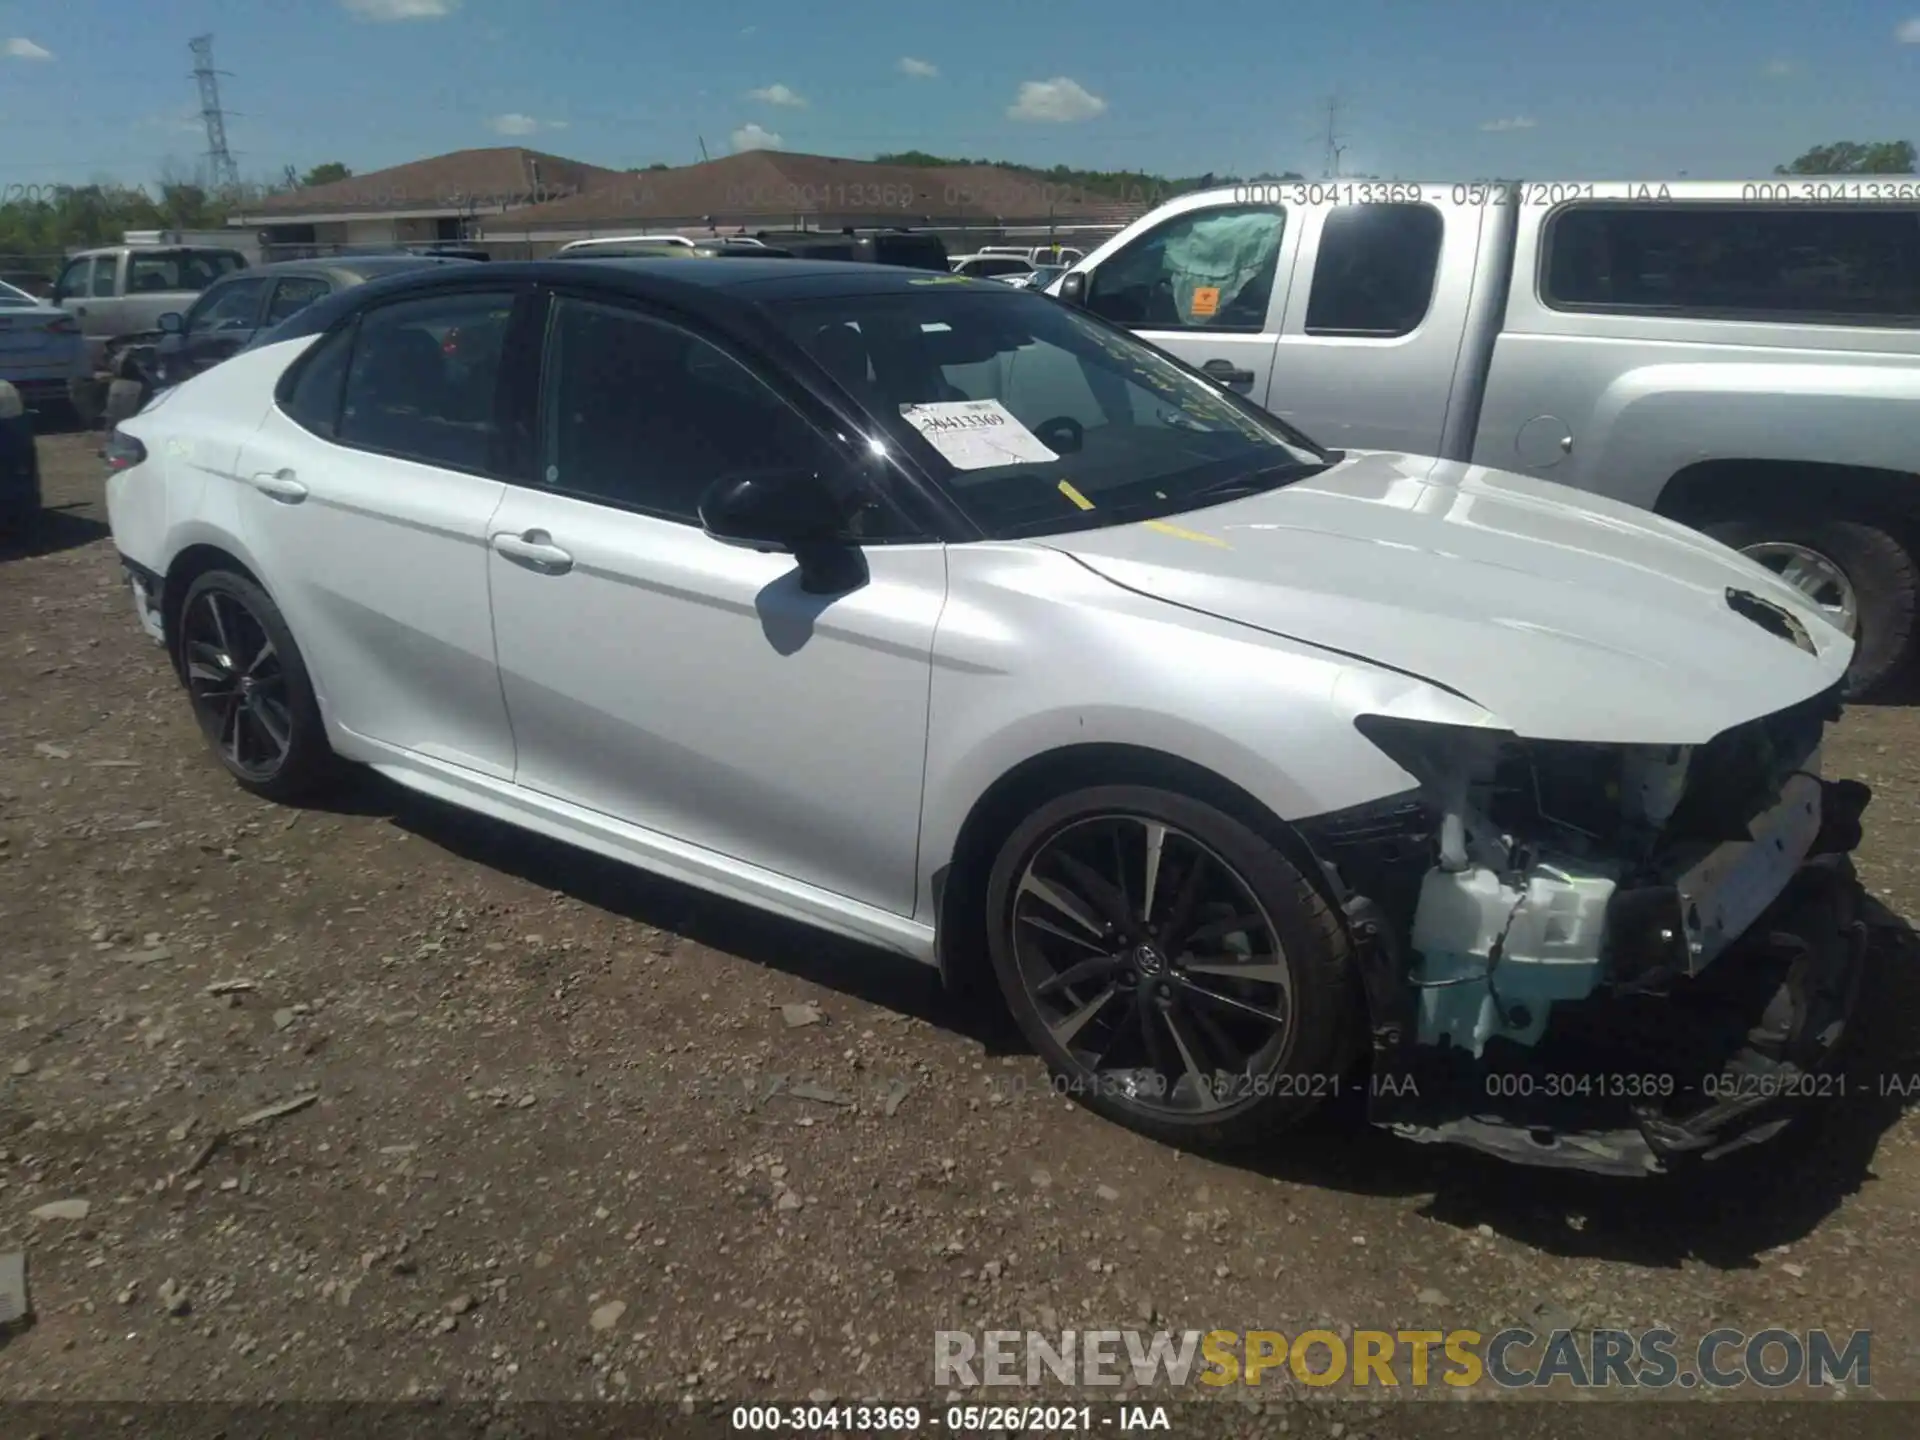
(1566, 616)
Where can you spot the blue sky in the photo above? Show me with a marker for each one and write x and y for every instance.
(97, 89)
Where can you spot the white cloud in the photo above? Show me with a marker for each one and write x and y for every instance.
(1776, 69)
(1058, 100)
(919, 69)
(20, 48)
(755, 137)
(778, 95)
(1909, 31)
(384, 10)
(1515, 122)
(514, 123)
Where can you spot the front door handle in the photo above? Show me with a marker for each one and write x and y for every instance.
(535, 550)
(1227, 373)
(281, 485)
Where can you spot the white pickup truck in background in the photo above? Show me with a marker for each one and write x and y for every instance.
(1744, 357)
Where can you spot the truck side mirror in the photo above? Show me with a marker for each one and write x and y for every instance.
(1073, 287)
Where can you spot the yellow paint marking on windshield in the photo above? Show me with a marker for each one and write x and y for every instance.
(1183, 534)
(1066, 489)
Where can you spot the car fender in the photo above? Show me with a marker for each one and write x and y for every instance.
(1057, 658)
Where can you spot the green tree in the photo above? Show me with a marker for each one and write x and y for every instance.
(325, 174)
(1854, 157)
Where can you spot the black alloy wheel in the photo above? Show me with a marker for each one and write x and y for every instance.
(248, 686)
(1172, 966)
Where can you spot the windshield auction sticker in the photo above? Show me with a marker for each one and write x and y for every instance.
(977, 434)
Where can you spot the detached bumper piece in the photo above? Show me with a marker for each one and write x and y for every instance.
(1637, 1084)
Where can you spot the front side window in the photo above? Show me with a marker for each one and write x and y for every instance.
(422, 380)
(294, 294)
(105, 272)
(1037, 419)
(1848, 265)
(1204, 270)
(645, 415)
(73, 279)
(231, 307)
(1375, 271)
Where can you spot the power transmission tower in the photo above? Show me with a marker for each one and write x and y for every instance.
(222, 173)
(1335, 141)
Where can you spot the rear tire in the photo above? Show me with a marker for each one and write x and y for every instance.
(249, 688)
(1225, 964)
(1875, 559)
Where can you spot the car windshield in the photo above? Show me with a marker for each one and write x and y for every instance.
(1037, 418)
(12, 299)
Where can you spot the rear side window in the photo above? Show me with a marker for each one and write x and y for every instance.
(1844, 266)
(423, 377)
(292, 295)
(312, 401)
(1375, 271)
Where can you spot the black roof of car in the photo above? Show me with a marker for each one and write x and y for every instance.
(354, 269)
(742, 285)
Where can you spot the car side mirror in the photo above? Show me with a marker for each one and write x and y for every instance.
(788, 512)
(172, 323)
(1073, 287)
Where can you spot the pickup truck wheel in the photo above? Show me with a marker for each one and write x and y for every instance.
(1863, 574)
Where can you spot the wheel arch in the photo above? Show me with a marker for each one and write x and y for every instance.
(197, 558)
(959, 884)
(1732, 489)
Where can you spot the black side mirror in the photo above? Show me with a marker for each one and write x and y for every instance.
(1073, 287)
(172, 323)
(785, 512)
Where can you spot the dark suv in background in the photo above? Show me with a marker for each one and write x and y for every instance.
(231, 312)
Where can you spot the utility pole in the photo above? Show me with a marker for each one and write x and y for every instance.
(1334, 146)
(223, 175)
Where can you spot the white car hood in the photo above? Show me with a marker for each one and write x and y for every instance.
(1565, 616)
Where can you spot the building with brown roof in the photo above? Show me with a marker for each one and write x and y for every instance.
(777, 190)
(442, 198)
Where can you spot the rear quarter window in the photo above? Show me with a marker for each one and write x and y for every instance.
(1838, 265)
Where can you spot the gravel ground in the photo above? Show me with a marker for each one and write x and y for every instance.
(534, 1143)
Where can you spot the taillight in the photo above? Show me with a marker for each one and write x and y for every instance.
(122, 452)
(63, 325)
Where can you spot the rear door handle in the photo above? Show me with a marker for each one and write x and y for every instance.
(281, 485)
(1227, 373)
(535, 550)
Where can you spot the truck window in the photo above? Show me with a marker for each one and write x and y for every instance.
(1375, 271)
(179, 271)
(105, 272)
(1838, 265)
(73, 279)
(1204, 270)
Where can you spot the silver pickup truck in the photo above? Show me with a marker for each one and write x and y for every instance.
(118, 294)
(1744, 357)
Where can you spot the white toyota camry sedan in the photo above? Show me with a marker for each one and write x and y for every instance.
(948, 618)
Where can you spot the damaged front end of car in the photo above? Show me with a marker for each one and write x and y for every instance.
(1611, 958)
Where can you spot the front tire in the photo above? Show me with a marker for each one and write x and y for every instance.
(1172, 967)
(249, 688)
(1861, 573)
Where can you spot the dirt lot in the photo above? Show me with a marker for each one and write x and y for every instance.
(544, 1164)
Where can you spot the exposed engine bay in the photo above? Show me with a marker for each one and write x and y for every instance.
(1605, 957)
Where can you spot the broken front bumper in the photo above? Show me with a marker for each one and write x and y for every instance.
(1639, 1083)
